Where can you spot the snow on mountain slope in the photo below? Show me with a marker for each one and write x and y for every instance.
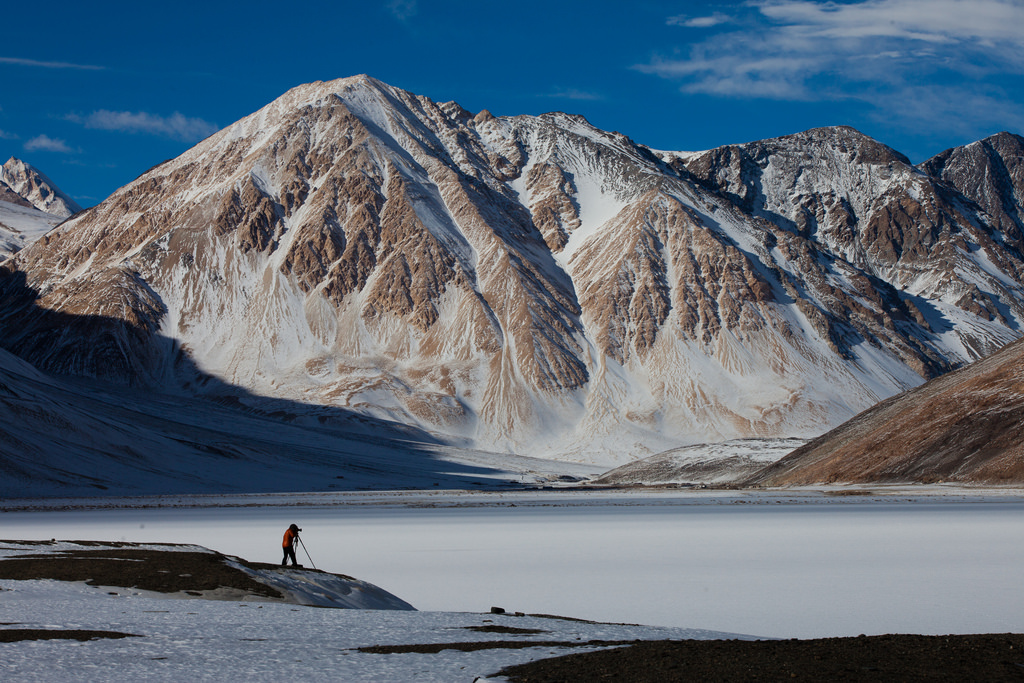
(718, 464)
(989, 172)
(62, 437)
(522, 284)
(30, 206)
(22, 225)
(41, 192)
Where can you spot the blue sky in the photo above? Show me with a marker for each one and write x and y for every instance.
(96, 93)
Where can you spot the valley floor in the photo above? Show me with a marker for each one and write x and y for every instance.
(779, 564)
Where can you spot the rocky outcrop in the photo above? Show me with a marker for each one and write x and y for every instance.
(529, 284)
(989, 172)
(9, 196)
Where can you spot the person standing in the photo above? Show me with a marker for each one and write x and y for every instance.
(291, 535)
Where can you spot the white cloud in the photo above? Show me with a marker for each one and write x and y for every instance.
(940, 21)
(4, 135)
(45, 143)
(176, 126)
(803, 49)
(48, 65)
(715, 19)
(967, 111)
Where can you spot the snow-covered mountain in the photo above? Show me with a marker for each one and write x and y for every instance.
(991, 173)
(30, 206)
(32, 185)
(527, 284)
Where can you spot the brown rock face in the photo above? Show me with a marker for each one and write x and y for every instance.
(554, 212)
(627, 292)
(11, 197)
(529, 284)
(860, 202)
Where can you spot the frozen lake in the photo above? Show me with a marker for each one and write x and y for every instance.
(764, 564)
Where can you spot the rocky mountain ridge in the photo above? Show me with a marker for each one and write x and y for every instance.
(19, 179)
(529, 284)
(30, 206)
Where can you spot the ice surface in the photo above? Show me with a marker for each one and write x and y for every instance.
(785, 564)
(195, 639)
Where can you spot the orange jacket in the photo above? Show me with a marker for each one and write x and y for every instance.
(289, 538)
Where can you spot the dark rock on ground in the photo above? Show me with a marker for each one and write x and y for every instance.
(990, 657)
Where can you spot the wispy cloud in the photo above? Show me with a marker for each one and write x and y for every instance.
(402, 10)
(18, 61)
(959, 110)
(44, 143)
(573, 94)
(715, 19)
(4, 135)
(875, 51)
(176, 126)
(935, 21)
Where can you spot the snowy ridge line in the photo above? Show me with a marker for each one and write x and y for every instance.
(33, 186)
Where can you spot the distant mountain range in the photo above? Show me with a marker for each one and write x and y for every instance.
(30, 206)
(27, 182)
(526, 284)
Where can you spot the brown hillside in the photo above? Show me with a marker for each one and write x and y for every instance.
(964, 427)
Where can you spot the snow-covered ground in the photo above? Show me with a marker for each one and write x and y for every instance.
(196, 640)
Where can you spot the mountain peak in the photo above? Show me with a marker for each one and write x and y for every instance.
(846, 138)
(33, 186)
